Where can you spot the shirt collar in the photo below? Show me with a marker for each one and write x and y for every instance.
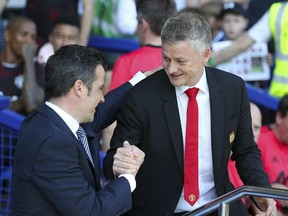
(68, 119)
(201, 85)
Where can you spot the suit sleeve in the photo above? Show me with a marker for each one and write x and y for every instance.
(106, 112)
(245, 151)
(129, 127)
(58, 175)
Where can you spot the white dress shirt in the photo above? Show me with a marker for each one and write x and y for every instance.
(207, 190)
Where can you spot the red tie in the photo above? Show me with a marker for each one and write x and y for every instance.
(191, 190)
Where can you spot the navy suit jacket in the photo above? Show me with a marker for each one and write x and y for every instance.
(52, 174)
(150, 119)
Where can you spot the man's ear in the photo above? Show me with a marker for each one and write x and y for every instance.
(78, 87)
(278, 118)
(7, 35)
(145, 24)
(246, 22)
(207, 55)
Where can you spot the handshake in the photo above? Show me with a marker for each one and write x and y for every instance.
(128, 159)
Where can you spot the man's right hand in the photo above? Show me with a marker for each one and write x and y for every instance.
(128, 159)
(29, 50)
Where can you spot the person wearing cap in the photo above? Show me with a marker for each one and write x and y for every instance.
(234, 21)
(271, 24)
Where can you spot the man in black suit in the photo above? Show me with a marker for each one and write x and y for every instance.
(153, 117)
(53, 172)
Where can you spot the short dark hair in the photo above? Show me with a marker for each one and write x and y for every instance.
(283, 105)
(67, 20)
(68, 64)
(155, 12)
(16, 21)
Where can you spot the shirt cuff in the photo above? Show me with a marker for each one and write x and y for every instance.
(137, 78)
(130, 178)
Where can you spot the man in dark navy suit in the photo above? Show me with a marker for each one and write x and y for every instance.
(54, 173)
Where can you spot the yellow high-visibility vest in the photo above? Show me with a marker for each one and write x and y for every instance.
(278, 18)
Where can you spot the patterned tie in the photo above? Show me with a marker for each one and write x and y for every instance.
(83, 140)
(191, 189)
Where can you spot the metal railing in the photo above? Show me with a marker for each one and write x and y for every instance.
(9, 127)
(222, 202)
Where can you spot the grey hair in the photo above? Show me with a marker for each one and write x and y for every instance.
(188, 27)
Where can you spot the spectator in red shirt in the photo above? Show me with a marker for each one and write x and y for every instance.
(274, 147)
(151, 16)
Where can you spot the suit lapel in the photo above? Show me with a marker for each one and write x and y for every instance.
(217, 119)
(173, 122)
(94, 149)
(54, 117)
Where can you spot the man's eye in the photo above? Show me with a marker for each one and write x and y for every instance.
(165, 59)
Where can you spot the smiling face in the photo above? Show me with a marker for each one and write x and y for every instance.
(92, 98)
(183, 64)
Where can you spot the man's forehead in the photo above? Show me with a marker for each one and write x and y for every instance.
(65, 25)
(22, 24)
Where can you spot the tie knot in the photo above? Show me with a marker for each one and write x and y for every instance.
(191, 93)
(80, 132)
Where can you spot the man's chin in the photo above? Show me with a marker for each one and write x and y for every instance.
(175, 82)
(88, 120)
(91, 120)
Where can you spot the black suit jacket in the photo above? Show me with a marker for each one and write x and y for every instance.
(52, 174)
(150, 119)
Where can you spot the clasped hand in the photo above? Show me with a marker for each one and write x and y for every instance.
(267, 205)
(128, 159)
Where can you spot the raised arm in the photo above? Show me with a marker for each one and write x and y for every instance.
(86, 21)
(32, 93)
(238, 46)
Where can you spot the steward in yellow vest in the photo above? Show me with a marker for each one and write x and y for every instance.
(278, 18)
